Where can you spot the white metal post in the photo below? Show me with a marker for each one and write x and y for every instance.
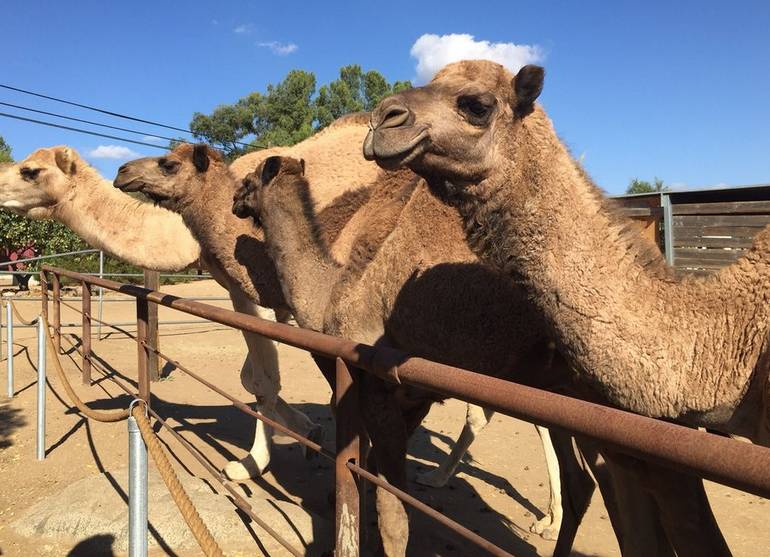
(137, 491)
(9, 346)
(41, 361)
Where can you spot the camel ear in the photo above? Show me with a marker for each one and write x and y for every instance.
(65, 160)
(302, 164)
(528, 84)
(201, 157)
(270, 169)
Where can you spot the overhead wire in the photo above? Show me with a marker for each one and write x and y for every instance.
(110, 113)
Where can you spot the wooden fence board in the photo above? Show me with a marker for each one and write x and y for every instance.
(721, 220)
(723, 208)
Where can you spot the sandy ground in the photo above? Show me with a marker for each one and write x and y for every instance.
(498, 492)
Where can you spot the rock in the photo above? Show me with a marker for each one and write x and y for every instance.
(97, 506)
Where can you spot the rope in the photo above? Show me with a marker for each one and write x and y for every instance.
(202, 534)
(20, 317)
(190, 514)
(98, 415)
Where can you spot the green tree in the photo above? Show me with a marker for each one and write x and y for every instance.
(291, 111)
(353, 91)
(643, 186)
(5, 151)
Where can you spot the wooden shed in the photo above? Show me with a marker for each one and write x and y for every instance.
(702, 230)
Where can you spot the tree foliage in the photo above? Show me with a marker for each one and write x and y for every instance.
(5, 151)
(643, 186)
(291, 110)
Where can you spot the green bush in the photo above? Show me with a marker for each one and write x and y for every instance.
(49, 237)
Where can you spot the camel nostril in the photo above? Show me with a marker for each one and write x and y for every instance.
(122, 168)
(392, 115)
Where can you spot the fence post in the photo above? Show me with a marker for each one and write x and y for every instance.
(9, 346)
(56, 312)
(668, 228)
(1, 329)
(137, 491)
(143, 354)
(86, 308)
(44, 295)
(41, 363)
(347, 516)
(152, 282)
(101, 297)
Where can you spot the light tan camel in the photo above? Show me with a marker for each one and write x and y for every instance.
(56, 183)
(397, 286)
(690, 349)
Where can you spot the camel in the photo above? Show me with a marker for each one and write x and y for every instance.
(687, 348)
(332, 158)
(56, 183)
(396, 286)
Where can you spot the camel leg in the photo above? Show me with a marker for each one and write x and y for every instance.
(576, 488)
(260, 376)
(685, 512)
(548, 526)
(476, 419)
(388, 434)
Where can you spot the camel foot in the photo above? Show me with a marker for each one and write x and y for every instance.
(545, 528)
(432, 478)
(316, 435)
(244, 469)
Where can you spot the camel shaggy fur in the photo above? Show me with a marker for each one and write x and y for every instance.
(394, 290)
(690, 349)
(56, 183)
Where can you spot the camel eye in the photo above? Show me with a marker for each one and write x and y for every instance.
(475, 108)
(169, 166)
(30, 173)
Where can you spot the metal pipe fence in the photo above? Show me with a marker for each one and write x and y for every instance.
(730, 462)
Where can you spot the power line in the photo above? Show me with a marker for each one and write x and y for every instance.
(73, 119)
(78, 130)
(108, 112)
(116, 114)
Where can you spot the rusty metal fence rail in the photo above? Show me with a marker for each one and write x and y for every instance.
(723, 460)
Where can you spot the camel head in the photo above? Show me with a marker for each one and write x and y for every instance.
(173, 179)
(450, 131)
(32, 187)
(270, 176)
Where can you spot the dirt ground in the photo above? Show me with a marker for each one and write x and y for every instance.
(498, 492)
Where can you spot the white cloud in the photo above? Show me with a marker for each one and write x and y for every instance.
(114, 152)
(152, 139)
(433, 52)
(281, 49)
(243, 29)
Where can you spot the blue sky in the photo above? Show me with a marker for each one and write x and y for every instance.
(637, 89)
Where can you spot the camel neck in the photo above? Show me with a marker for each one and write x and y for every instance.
(234, 246)
(306, 269)
(129, 229)
(645, 339)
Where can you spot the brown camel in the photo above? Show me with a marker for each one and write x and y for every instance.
(690, 349)
(191, 181)
(56, 183)
(395, 289)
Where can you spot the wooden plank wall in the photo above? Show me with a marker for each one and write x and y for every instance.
(711, 235)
